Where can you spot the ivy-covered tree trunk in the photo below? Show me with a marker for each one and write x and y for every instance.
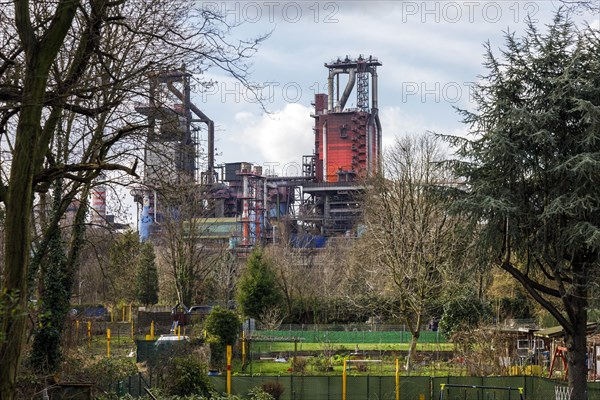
(55, 289)
(29, 150)
(59, 264)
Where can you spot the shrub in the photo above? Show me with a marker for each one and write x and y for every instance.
(185, 376)
(259, 394)
(361, 367)
(299, 365)
(322, 363)
(107, 371)
(273, 388)
(223, 327)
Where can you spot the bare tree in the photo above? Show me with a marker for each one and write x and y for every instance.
(293, 268)
(183, 244)
(412, 241)
(86, 59)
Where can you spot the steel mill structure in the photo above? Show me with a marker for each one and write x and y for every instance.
(246, 205)
(347, 147)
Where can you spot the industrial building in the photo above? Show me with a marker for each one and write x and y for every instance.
(244, 205)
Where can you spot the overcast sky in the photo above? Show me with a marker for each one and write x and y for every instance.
(431, 53)
(430, 50)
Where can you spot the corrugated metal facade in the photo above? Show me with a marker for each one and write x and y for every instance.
(344, 144)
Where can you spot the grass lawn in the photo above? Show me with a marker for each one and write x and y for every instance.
(387, 367)
(263, 347)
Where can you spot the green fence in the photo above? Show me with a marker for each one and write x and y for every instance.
(353, 336)
(330, 387)
(379, 387)
(411, 387)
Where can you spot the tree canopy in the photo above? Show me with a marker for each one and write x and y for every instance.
(258, 291)
(531, 166)
(147, 276)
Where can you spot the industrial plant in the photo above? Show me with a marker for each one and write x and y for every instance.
(245, 205)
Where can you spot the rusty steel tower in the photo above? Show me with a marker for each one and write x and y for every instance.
(347, 145)
(172, 150)
(348, 140)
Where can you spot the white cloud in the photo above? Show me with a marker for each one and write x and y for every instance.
(281, 138)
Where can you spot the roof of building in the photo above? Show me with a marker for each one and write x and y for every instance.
(557, 331)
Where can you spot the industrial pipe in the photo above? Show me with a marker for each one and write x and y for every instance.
(211, 131)
(348, 89)
(330, 91)
(375, 113)
(325, 152)
(374, 88)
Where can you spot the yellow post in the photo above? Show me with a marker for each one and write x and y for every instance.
(89, 333)
(344, 381)
(178, 332)
(130, 313)
(108, 342)
(397, 379)
(243, 348)
(152, 330)
(228, 369)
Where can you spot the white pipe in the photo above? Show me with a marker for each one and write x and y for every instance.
(330, 91)
(349, 86)
(155, 206)
(374, 99)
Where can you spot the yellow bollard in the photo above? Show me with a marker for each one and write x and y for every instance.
(243, 348)
(130, 313)
(344, 381)
(108, 342)
(178, 332)
(89, 333)
(397, 379)
(152, 330)
(228, 369)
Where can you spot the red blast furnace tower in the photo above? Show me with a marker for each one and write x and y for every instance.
(347, 148)
(348, 140)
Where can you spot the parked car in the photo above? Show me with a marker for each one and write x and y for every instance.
(200, 310)
(169, 340)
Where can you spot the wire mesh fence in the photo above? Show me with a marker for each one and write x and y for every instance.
(324, 334)
(381, 387)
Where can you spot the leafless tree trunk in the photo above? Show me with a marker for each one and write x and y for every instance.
(89, 59)
(182, 243)
(412, 242)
